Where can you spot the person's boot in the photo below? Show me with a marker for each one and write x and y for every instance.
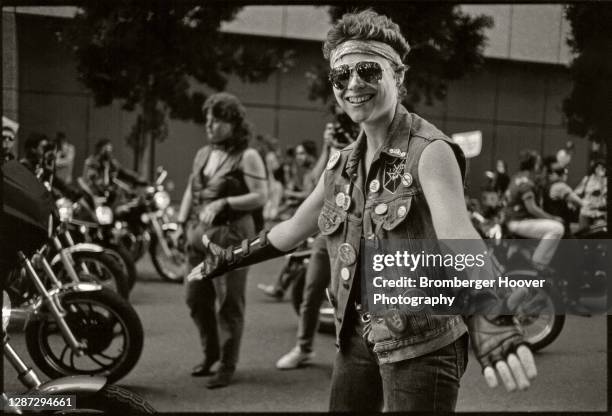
(222, 378)
(203, 369)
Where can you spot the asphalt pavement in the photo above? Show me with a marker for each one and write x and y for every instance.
(572, 371)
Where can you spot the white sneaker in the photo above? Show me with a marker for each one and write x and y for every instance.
(294, 358)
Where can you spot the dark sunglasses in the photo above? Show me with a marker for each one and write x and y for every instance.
(370, 72)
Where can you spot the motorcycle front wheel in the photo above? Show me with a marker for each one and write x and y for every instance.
(106, 323)
(170, 268)
(111, 400)
(542, 328)
(101, 268)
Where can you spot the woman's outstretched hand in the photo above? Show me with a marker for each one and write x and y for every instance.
(215, 260)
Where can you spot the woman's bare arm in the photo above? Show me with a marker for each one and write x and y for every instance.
(441, 181)
(185, 203)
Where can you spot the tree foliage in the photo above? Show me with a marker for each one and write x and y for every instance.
(148, 53)
(446, 44)
(588, 108)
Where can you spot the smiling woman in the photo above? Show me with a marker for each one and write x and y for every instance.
(401, 179)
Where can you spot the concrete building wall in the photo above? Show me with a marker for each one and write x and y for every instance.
(525, 32)
(10, 73)
(515, 104)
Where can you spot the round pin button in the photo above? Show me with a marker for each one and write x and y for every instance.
(347, 253)
(333, 160)
(345, 274)
(380, 209)
(401, 211)
(407, 179)
(340, 197)
(374, 185)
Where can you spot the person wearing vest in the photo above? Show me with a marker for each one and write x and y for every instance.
(524, 215)
(559, 199)
(401, 179)
(227, 182)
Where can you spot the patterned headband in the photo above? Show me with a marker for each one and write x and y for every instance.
(370, 47)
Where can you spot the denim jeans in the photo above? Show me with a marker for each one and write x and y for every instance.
(428, 383)
(549, 232)
(317, 279)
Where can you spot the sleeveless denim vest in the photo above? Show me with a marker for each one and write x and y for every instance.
(394, 171)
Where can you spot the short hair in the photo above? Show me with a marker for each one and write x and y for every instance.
(101, 143)
(594, 164)
(366, 25)
(228, 108)
(551, 164)
(528, 159)
(32, 142)
(310, 147)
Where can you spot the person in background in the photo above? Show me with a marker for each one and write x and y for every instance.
(227, 183)
(318, 274)
(35, 147)
(559, 199)
(267, 147)
(9, 133)
(594, 189)
(289, 169)
(305, 157)
(101, 169)
(524, 215)
(64, 158)
(564, 155)
(501, 179)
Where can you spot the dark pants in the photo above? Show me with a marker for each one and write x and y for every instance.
(429, 383)
(317, 279)
(217, 306)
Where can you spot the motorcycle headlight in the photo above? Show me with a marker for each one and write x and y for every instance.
(104, 215)
(65, 209)
(161, 199)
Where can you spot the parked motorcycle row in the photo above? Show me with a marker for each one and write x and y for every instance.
(72, 287)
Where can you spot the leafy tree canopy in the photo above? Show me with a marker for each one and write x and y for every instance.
(147, 53)
(446, 44)
(588, 108)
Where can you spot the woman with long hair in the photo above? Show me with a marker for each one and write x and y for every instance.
(227, 184)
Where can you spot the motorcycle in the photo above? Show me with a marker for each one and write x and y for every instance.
(542, 319)
(144, 223)
(71, 328)
(91, 220)
(92, 393)
(92, 262)
(74, 328)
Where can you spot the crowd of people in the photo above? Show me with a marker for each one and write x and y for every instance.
(394, 180)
